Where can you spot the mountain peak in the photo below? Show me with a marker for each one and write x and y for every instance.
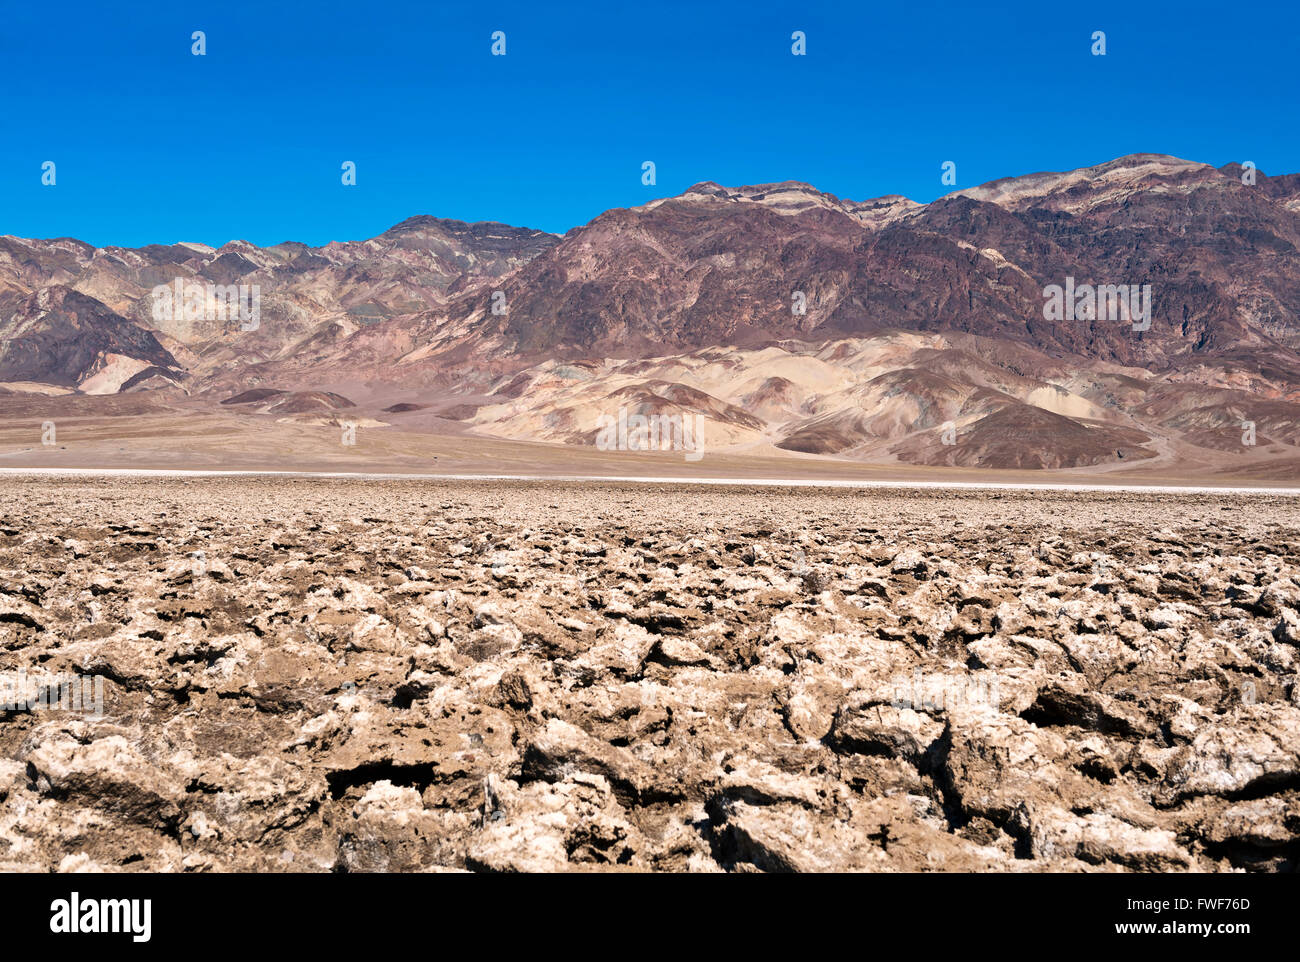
(786, 197)
(421, 222)
(483, 230)
(1127, 173)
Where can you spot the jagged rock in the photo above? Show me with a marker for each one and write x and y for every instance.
(952, 697)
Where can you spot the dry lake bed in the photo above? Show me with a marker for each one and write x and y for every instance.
(339, 675)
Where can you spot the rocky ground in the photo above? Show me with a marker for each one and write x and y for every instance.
(313, 675)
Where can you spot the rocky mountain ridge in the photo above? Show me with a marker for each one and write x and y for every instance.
(788, 318)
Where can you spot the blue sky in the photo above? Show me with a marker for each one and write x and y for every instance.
(155, 145)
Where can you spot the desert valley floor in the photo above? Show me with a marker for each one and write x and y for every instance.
(343, 675)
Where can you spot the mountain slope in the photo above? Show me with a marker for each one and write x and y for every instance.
(787, 320)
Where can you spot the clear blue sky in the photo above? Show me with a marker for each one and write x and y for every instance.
(155, 145)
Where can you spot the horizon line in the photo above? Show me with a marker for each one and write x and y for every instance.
(560, 234)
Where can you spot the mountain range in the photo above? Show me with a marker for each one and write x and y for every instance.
(787, 320)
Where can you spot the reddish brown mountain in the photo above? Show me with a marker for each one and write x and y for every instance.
(915, 317)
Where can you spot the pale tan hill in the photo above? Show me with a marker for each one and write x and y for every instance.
(879, 400)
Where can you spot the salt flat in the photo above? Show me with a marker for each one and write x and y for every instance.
(321, 673)
(866, 483)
